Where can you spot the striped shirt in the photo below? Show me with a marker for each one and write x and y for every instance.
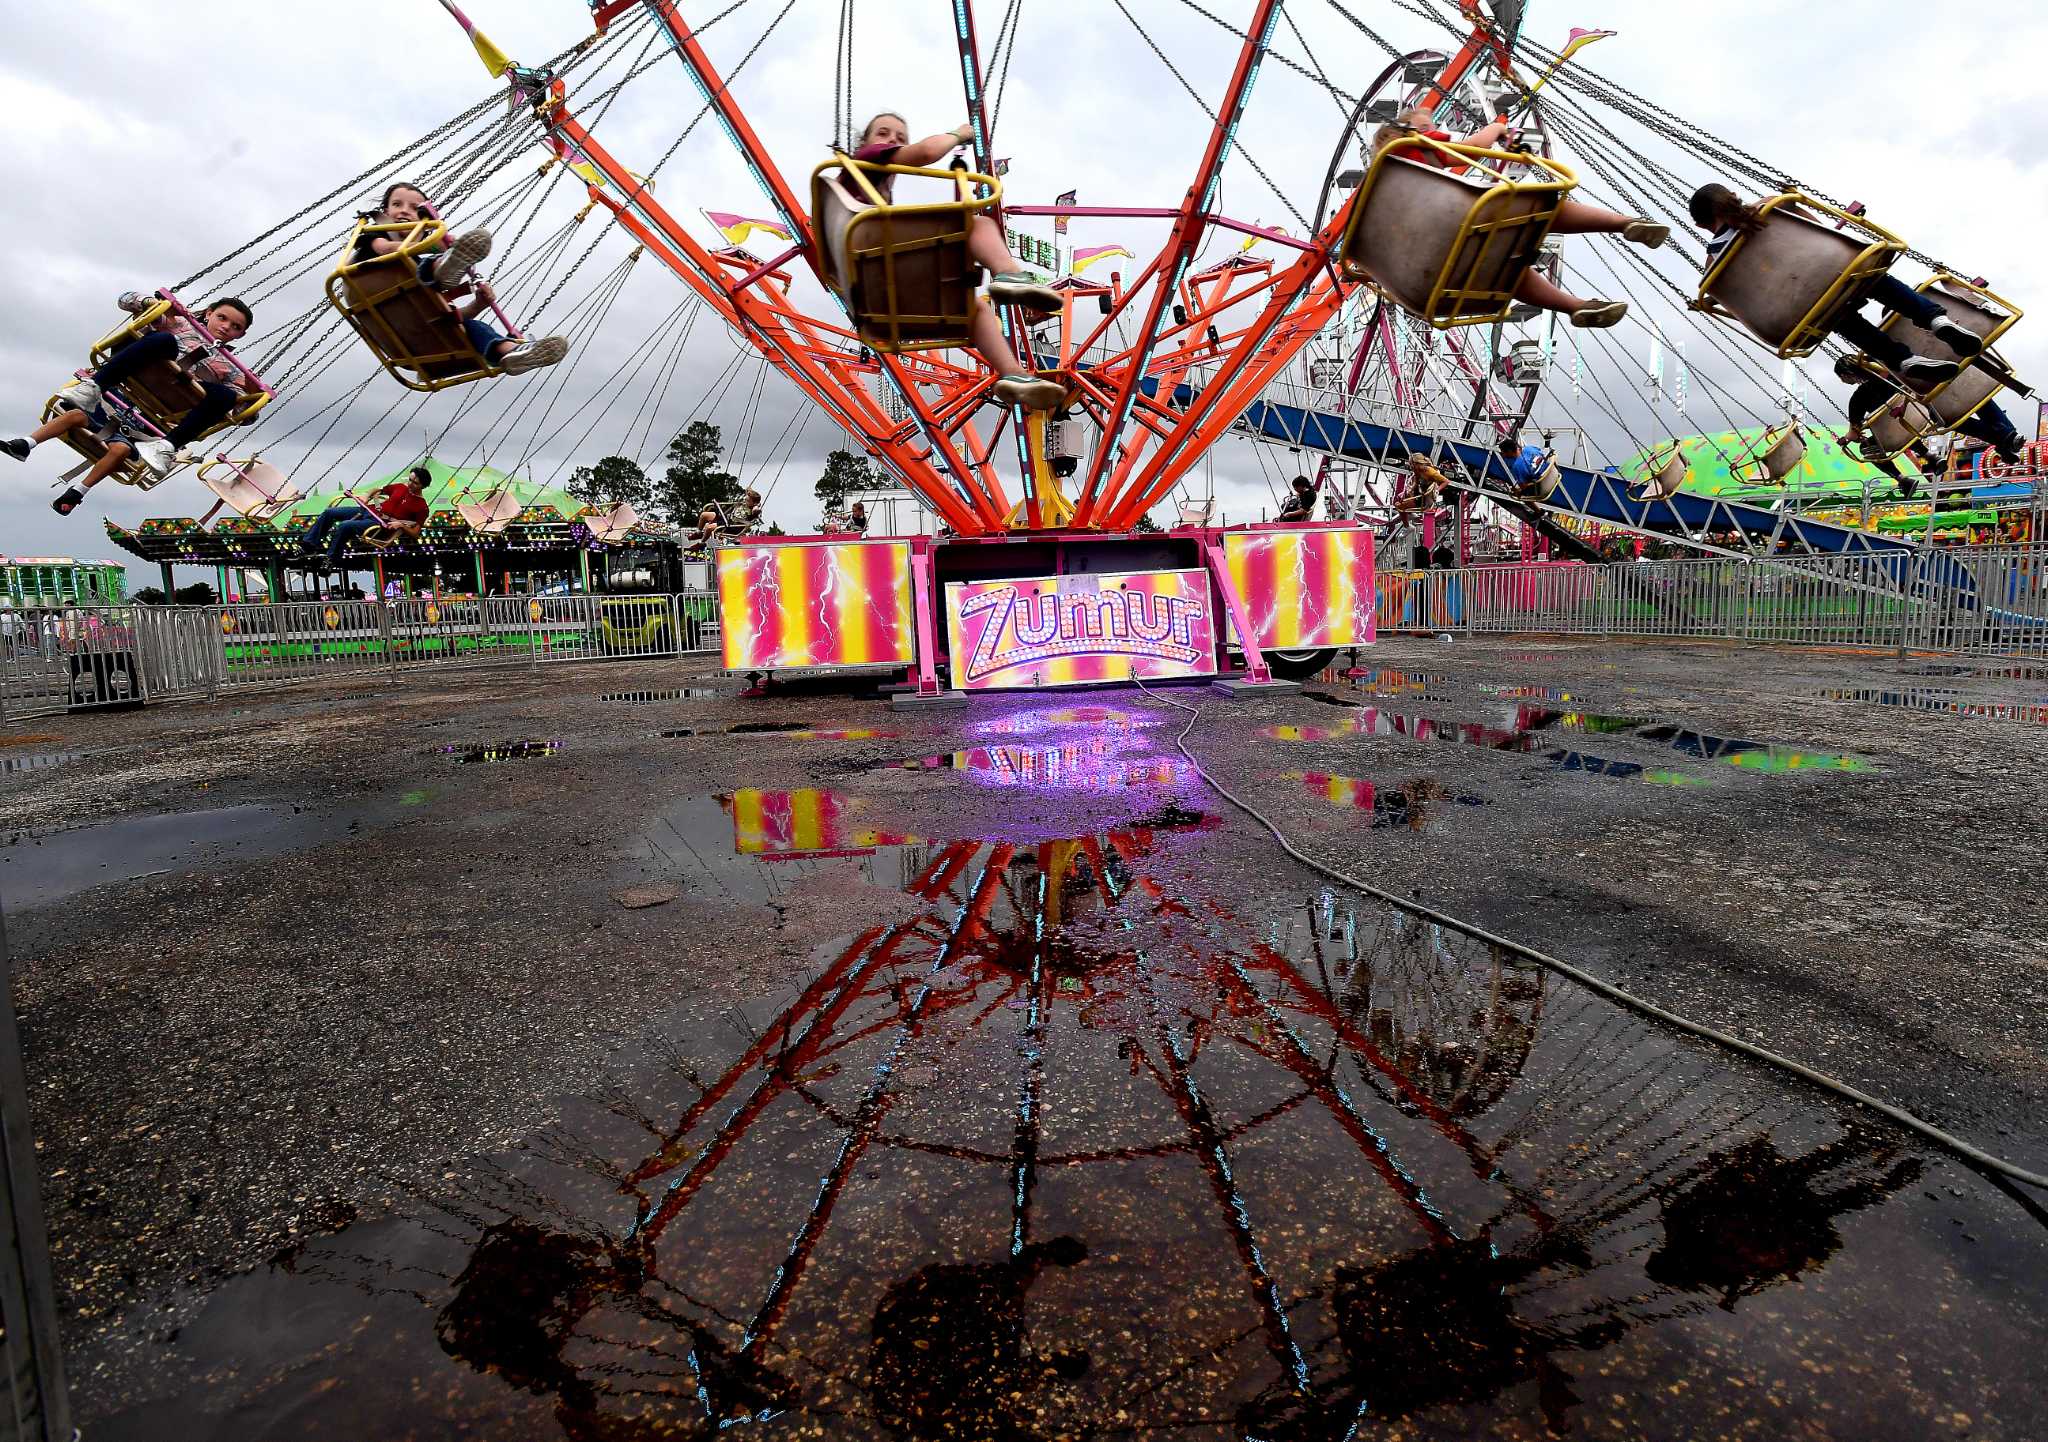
(198, 352)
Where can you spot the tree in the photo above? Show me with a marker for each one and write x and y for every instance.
(615, 478)
(692, 480)
(150, 596)
(845, 473)
(199, 593)
(1145, 525)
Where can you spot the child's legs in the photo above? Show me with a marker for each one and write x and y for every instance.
(132, 357)
(1992, 426)
(1851, 325)
(987, 249)
(1538, 291)
(213, 409)
(1576, 218)
(986, 333)
(61, 423)
(483, 337)
(106, 465)
(1895, 295)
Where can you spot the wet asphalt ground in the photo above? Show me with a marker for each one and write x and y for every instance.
(479, 1056)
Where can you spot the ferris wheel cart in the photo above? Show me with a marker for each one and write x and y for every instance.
(903, 270)
(412, 329)
(1984, 315)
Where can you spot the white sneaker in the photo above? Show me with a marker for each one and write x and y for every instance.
(156, 453)
(1599, 314)
(81, 396)
(1034, 393)
(533, 354)
(463, 255)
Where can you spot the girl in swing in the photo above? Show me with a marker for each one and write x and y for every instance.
(448, 270)
(886, 141)
(1573, 217)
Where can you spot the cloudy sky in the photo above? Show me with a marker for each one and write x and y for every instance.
(231, 118)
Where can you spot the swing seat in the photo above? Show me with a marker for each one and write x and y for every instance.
(1451, 245)
(1795, 275)
(412, 330)
(1664, 471)
(902, 270)
(1978, 311)
(1773, 456)
(610, 523)
(163, 391)
(255, 489)
(1890, 429)
(90, 448)
(1545, 482)
(493, 513)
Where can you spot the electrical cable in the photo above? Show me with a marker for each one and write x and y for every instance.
(1948, 1141)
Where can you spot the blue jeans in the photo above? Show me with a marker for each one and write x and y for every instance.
(124, 363)
(482, 336)
(340, 526)
(1894, 295)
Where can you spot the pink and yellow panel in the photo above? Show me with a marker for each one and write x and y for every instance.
(803, 822)
(1072, 630)
(1304, 588)
(836, 604)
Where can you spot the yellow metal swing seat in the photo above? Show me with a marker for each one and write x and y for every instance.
(410, 327)
(903, 270)
(1786, 283)
(491, 515)
(1773, 456)
(1449, 235)
(253, 488)
(1663, 474)
(1890, 429)
(1976, 310)
(163, 391)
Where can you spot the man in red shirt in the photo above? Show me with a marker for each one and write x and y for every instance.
(400, 508)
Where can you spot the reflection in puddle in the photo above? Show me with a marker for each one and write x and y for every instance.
(745, 728)
(1097, 762)
(37, 761)
(501, 751)
(1033, 720)
(1411, 804)
(1077, 1150)
(1526, 736)
(807, 821)
(1942, 701)
(856, 733)
(39, 868)
(674, 693)
(1383, 681)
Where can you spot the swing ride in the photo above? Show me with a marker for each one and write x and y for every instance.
(1389, 328)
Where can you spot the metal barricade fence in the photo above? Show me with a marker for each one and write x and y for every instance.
(55, 659)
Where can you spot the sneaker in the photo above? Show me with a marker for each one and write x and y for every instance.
(157, 455)
(17, 448)
(188, 455)
(1646, 232)
(1034, 393)
(80, 396)
(533, 354)
(1908, 488)
(2010, 452)
(65, 504)
(464, 254)
(1017, 288)
(1956, 336)
(1599, 314)
(1928, 371)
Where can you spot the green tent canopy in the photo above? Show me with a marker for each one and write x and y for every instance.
(1827, 474)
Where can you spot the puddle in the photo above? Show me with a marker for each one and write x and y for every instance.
(748, 728)
(1942, 701)
(1987, 670)
(1410, 804)
(1084, 1149)
(855, 733)
(1036, 720)
(501, 751)
(1384, 681)
(36, 869)
(675, 693)
(1530, 726)
(1097, 762)
(37, 761)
